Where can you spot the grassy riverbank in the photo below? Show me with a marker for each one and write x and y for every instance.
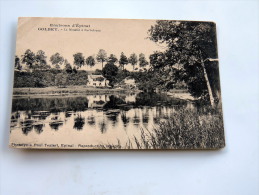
(185, 129)
(65, 91)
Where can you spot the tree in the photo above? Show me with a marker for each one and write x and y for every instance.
(28, 58)
(110, 72)
(74, 70)
(68, 67)
(79, 60)
(142, 60)
(61, 79)
(112, 59)
(191, 53)
(123, 60)
(90, 61)
(101, 56)
(40, 60)
(56, 60)
(133, 59)
(17, 63)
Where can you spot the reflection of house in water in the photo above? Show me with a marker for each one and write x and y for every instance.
(97, 101)
(97, 81)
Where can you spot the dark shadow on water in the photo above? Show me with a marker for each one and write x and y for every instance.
(112, 116)
(103, 127)
(124, 118)
(79, 122)
(38, 128)
(55, 125)
(27, 126)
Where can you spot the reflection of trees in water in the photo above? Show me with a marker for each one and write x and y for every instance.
(68, 114)
(91, 120)
(27, 126)
(51, 104)
(145, 115)
(38, 128)
(136, 120)
(124, 118)
(112, 116)
(103, 126)
(145, 118)
(79, 122)
(15, 115)
(154, 99)
(114, 103)
(40, 115)
(55, 125)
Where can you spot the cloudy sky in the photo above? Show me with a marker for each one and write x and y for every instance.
(112, 35)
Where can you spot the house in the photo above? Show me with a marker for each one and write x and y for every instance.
(97, 81)
(130, 82)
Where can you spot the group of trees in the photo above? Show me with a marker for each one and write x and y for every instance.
(191, 56)
(39, 60)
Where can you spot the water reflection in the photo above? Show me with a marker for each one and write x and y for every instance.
(55, 125)
(39, 128)
(79, 122)
(104, 113)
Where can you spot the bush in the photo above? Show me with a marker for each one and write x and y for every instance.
(47, 78)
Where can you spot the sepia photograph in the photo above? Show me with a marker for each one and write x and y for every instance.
(116, 84)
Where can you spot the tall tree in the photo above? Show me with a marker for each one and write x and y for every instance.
(192, 47)
(90, 61)
(101, 56)
(112, 59)
(28, 58)
(40, 60)
(142, 60)
(17, 63)
(79, 60)
(123, 60)
(57, 60)
(133, 59)
(110, 72)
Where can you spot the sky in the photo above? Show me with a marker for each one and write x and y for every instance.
(112, 35)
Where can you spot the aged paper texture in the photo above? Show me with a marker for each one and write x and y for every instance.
(116, 84)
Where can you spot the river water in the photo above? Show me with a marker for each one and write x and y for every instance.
(89, 119)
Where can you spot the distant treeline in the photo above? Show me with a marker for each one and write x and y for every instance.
(38, 60)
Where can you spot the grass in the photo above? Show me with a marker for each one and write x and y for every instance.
(64, 91)
(185, 129)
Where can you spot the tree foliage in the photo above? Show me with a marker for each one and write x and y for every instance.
(191, 46)
(68, 67)
(79, 60)
(90, 61)
(110, 72)
(142, 60)
(17, 63)
(112, 59)
(101, 56)
(133, 60)
(123, 60)
(40, 60)
(57, 60)
(28, 58)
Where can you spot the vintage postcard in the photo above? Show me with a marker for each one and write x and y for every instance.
(116, 84)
